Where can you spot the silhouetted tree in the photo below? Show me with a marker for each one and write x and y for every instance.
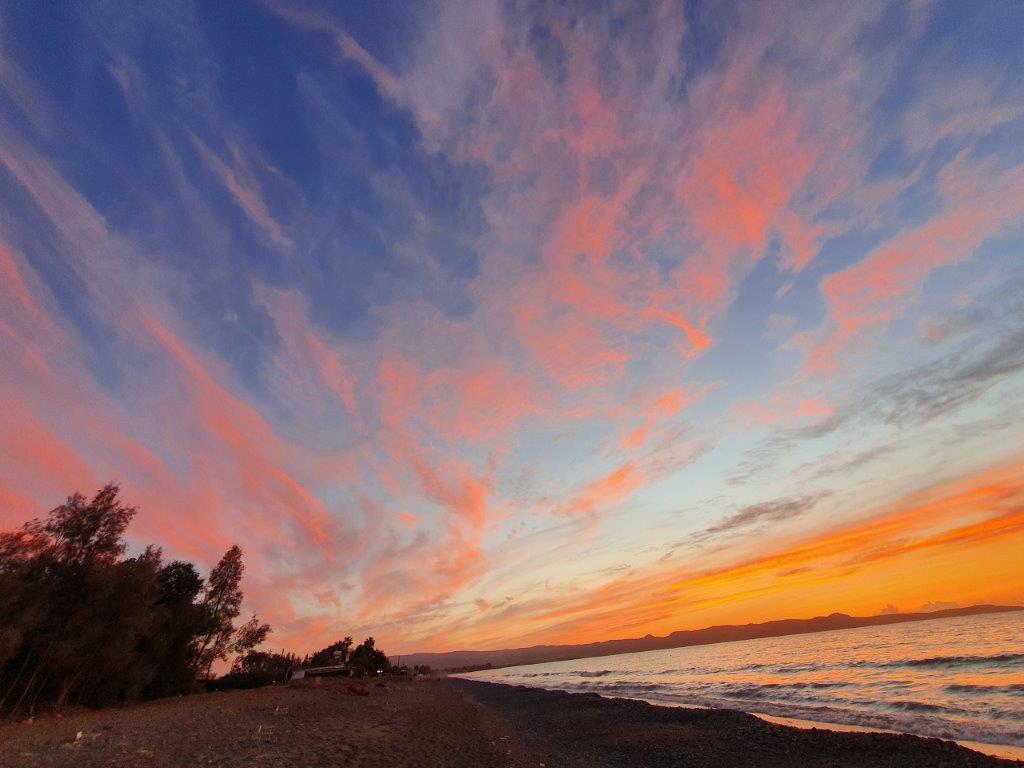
(81, 623)
(221, 605)
(178, 622)
(366, 660)
(248, 636)
(83, 532)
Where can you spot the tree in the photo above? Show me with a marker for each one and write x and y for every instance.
(179, 620)
(79, 610)
(366, 660)
(248, 636)
(221, 605)
(83, 532)
(81, 623)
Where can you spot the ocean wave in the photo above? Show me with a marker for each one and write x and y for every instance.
(954, 661)
(994, 725)
(920, 706)
(1010, 688)
(627, 687)
(940, 661)
(911, 719)
(943, 685)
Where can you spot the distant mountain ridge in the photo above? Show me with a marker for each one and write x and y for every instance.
(537, 654)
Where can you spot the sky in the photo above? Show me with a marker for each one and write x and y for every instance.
(484, 324)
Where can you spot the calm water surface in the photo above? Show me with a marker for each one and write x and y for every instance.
(960, 678)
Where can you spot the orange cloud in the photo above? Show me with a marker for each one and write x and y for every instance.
(482, 402)
(664, 407)
(598, 494)
(961, 537)
(698, 340)
(751, 158)
(572, 351)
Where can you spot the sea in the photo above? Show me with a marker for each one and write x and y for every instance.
(952, 678)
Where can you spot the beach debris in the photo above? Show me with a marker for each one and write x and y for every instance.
(75, 742)
(280, 709)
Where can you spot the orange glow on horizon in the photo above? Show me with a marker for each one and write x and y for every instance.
(891, 557)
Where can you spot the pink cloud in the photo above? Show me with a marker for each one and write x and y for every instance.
(22, 307)
(253, 448)
(597, 495)
(783, 408)
(308, 350)
(979, 203)
(347, 45)
(242, 184)
(751, 157)
(664, 407)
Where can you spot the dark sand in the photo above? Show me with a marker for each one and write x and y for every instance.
(443, 723)
(576, 729)
(302, 725)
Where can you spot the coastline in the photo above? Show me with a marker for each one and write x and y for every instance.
(1003, 751)
(450, 723)
(588, 729)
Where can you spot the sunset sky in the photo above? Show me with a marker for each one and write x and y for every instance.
(485, 324)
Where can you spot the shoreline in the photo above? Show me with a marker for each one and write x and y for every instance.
(448, 723)
(1002, 751)
(644, 733)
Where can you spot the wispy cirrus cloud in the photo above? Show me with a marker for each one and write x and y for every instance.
(762, 512)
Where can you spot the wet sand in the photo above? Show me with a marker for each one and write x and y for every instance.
(445, 723)
(576, 729)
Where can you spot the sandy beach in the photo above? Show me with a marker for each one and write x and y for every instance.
(443, 723)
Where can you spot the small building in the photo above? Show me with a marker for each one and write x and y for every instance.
(333, 670)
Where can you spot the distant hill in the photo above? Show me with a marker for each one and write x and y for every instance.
(718, 634)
